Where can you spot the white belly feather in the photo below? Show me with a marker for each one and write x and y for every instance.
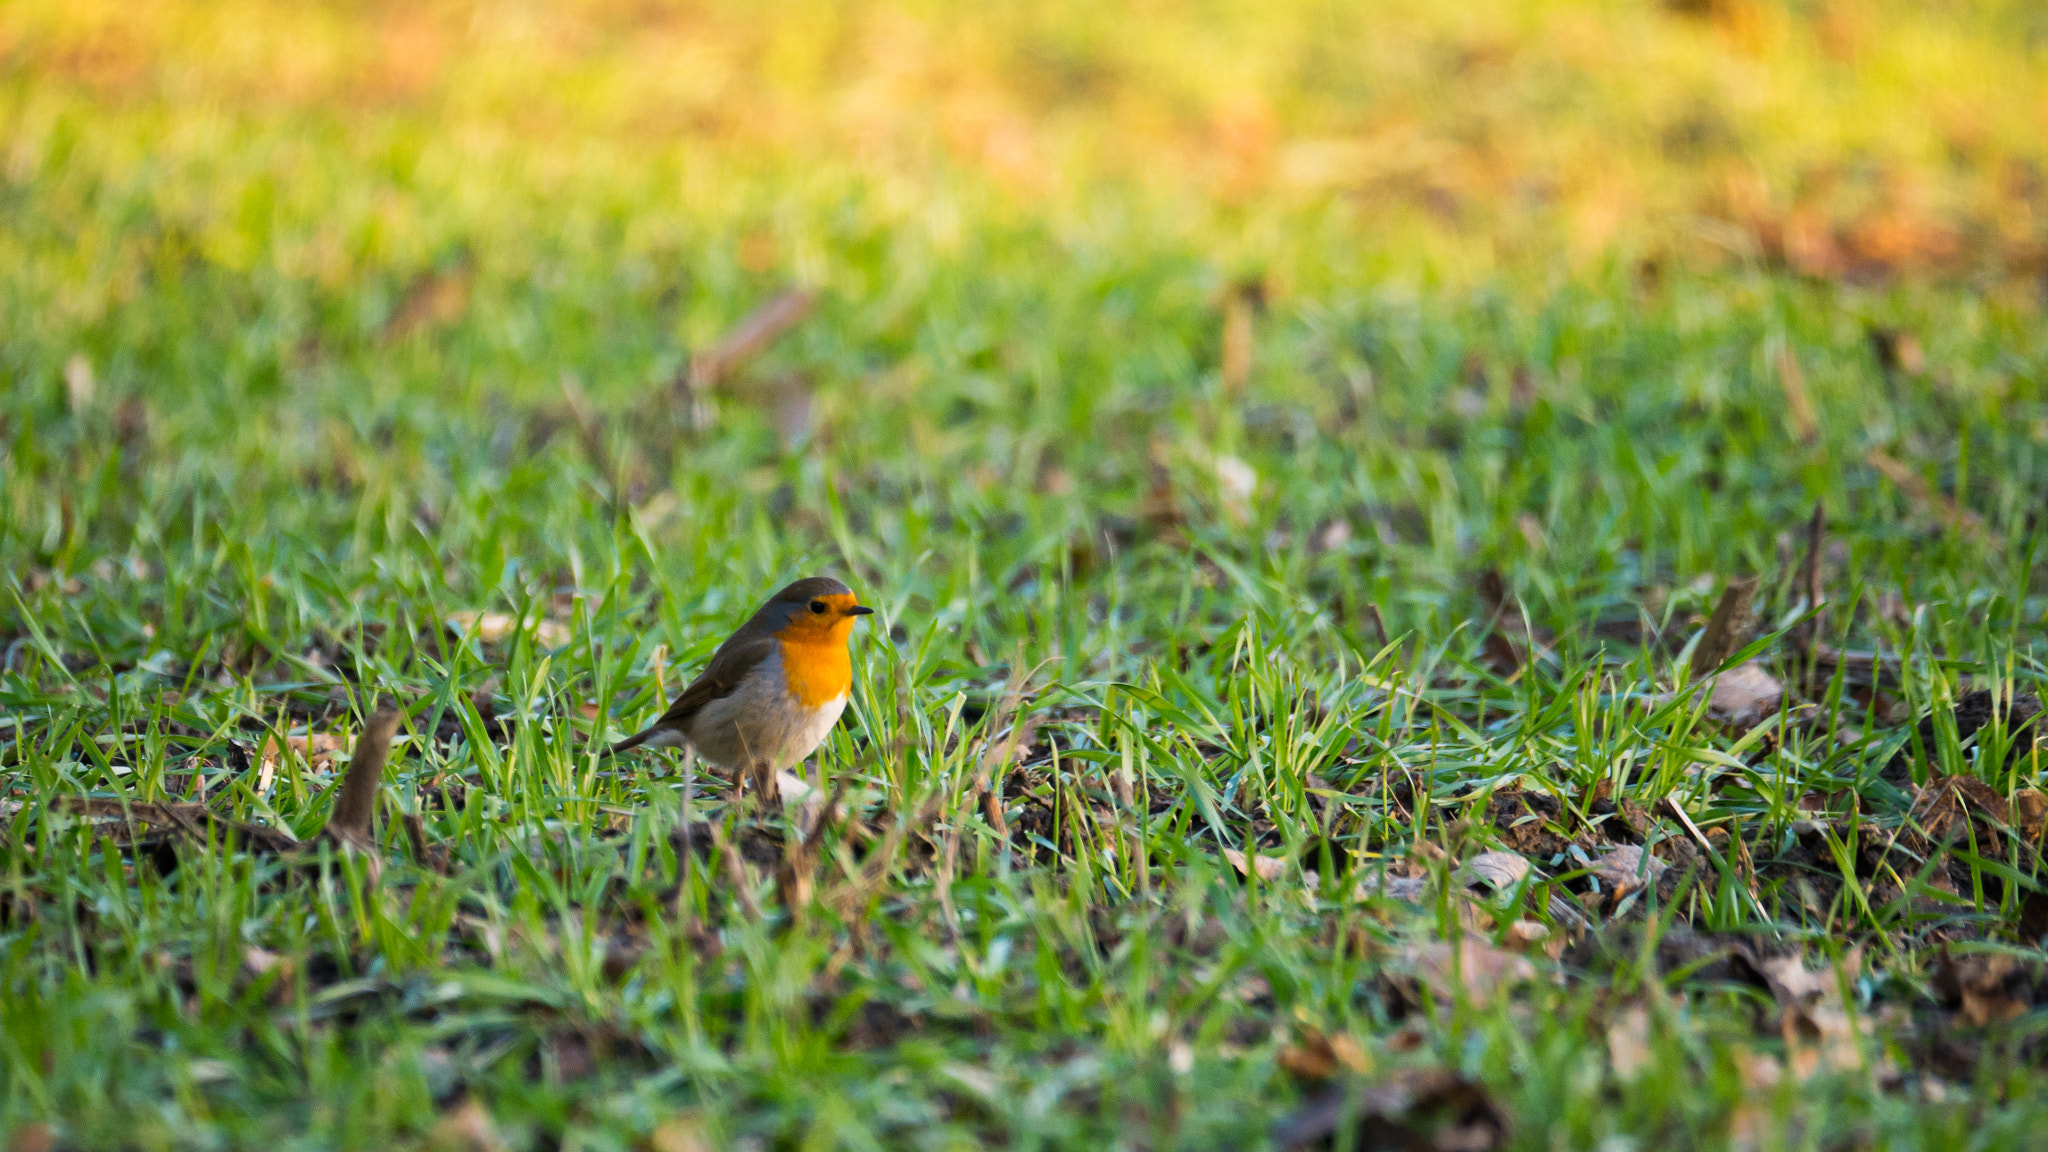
(761, 724)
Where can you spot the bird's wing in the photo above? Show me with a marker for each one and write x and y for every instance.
(728, 666)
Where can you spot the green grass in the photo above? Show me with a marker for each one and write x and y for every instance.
(259, 515)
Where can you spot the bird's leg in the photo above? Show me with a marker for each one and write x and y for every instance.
(762, 775)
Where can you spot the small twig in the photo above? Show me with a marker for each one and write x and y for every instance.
(1510, 642)
(1693, 828)
(1810, 580)
(736, 872)
(761, 328)
(1907, 481)
(1243, 300)
(1378, 622)
(182, 819)
(432, 857)
(349, 823)
(1869, 668)
(1798, 404)
(794, 876)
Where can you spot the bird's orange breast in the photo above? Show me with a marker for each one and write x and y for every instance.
(817, 669)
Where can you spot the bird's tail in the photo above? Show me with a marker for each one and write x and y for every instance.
(633, 741)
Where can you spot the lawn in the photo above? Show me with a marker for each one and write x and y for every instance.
(1448, 576)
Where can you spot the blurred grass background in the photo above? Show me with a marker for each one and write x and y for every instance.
(1846, 138)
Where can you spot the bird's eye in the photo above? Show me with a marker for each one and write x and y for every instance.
(818, 607)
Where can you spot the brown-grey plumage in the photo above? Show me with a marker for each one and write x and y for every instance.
(744, 710)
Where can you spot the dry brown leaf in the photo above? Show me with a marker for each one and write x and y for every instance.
(1984, 988)
(1236, 483)
(1498, 869)
(1898, 351)
(1798, 404)
(1413, 889)
(1270, 868)
(683, 1133)
(1627, 868)
(750, 337)
(1792, 982)
(32, 1137)
(1316, 1056)
(1238, 307)
(465, 1128)
(435, 297)
(495, 627)
(1744, 695)
(1753, 1116)
(1477, 968)
(1726, 629)
(1915, 489)
(1628, 1042)
(1528, 934)
(317, 749)
(1944, 807)
(1819, 1035)
(2029, 814)
(79, 382)
(1418, 1108)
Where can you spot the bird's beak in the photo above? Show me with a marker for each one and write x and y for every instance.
(860, 610)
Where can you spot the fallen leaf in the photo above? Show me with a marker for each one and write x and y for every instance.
(1238, 307)
(749, 338)
(465, 1128)
(679, 1134)
(1753, 1115)
(1316, 1056)
(1984, 988)
(1627, 868)
(490, 627)
(1727, 628)
(1628, 1042)
(1509, 641)
(1744, 695)
(317, 749)
(1429, 1108)
(1528, 934)
(1798, 403)
(1270, 868)
(1898, 351)
(32, 1137)
(1819, 1035)
(79, 383)
(1413, 889)
(1760, 1071)
(1940, 507)
(1944, 806)
(494, 627)
(1477, 968)
(435, 297)
(2030, 814)
(1498, 869)
(1236, 482)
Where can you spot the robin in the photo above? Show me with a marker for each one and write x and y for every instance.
(772, 691)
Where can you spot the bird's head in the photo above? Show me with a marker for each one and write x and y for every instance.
(814, 610)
